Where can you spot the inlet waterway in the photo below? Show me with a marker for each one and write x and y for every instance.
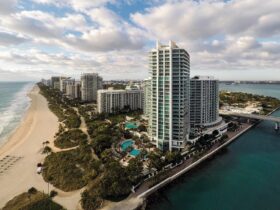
(246, 175)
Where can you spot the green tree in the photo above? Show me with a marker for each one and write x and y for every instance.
(90, 201)
(155, 161)
(101, 142)
(134, 170)
(106, 155)
(115, 183)
(215, 133)
(173, 157)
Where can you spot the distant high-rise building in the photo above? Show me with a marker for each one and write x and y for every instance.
(204, 102)
(77, 89)
(57, 83)
(169, 69)
(90, 83)
(147, 97)
(46, 82)
(111, 101)
(70, 88)
(63, 82)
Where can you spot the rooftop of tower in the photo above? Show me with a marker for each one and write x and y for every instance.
(171, 44)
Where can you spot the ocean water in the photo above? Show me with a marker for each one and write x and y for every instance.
(244, 176)
(13, 104)
(260, 89)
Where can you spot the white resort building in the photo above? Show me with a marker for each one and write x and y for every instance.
(111, 101)
(169, 69)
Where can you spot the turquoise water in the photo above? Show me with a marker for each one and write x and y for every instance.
(128, 143)
(131, 125)
(13, 104)
(246, 175)
(135, 152)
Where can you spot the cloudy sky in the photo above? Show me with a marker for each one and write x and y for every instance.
(233, 39)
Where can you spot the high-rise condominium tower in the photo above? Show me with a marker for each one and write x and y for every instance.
(90, 83)
(147, 97)
(169, 69)
(204, 102)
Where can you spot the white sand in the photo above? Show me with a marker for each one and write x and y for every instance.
(39, 125)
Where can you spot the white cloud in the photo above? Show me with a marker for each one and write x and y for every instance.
(106, 31)
(7, 39)
(79, 5)
(7, 7)
(193, 20)
(218, 34)
(237, 34)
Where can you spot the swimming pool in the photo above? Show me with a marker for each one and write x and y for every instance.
(131, 125)
(125, 144)
(135, 152)
(129, 143)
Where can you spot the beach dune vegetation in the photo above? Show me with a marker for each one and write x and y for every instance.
(70, 138)
(32, 201)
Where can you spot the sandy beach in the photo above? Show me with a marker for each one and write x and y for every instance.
(22, 151)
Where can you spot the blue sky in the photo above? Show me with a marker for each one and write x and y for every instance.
(237, 39)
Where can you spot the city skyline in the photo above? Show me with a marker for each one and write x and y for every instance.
(40, 38)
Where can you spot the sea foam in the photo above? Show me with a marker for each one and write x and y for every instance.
(12, 114)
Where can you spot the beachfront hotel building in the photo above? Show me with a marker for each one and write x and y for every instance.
(169, 69)
(112, 101)
(204, 102)
(90, 83)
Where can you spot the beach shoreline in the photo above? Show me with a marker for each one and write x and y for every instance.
(9, 141)
(22, 151)
(24, 91)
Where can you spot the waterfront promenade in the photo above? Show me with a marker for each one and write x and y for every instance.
(144, 191)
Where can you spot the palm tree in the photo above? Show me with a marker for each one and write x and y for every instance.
(48, 181)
